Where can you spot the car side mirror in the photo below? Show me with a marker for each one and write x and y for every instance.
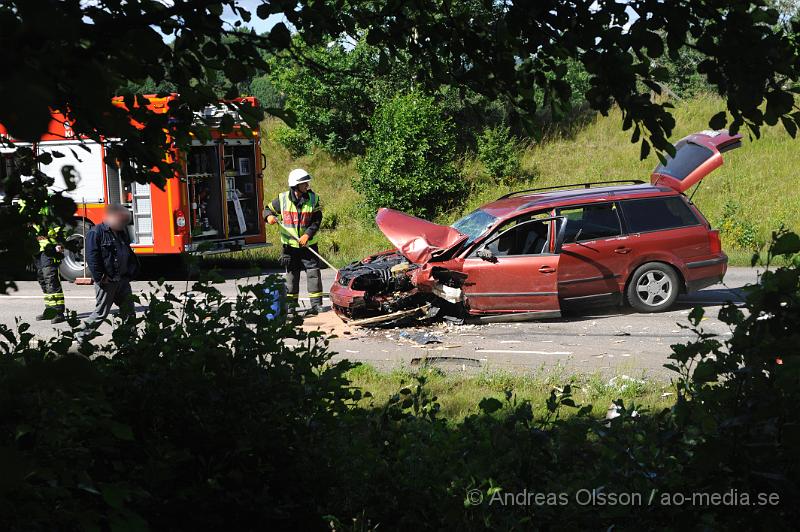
(486, 255)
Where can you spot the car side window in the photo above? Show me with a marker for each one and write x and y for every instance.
(591, 222)
(520, 238)
(654, 214)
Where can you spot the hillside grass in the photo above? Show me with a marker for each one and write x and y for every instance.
(459, 394)
(758, 181)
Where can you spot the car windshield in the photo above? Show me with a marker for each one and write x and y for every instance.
(474, 224)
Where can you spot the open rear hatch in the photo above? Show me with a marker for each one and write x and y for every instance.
(696, 156)
(418, 240)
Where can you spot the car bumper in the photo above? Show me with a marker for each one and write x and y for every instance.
(347, 302)
(222, 246)
(707, 272)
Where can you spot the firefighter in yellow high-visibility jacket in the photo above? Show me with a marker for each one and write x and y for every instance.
(47, 261)
(299, 213)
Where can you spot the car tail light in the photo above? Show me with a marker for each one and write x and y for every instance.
(714, 243)
(180, 222)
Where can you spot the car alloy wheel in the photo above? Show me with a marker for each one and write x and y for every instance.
(653, 287)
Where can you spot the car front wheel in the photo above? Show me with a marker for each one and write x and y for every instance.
(654, 287)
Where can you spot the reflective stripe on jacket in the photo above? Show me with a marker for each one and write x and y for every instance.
(296, 221)
(52, 232)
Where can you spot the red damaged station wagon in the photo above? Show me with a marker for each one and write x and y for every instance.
(530, 252)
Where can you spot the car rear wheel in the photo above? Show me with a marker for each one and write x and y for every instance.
(72, 266)
(653, 287)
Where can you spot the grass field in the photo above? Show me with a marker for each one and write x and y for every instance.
(459, 395)
(757, 186)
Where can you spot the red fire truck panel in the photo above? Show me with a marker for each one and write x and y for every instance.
(214, 204)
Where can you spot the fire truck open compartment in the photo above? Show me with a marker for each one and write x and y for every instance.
(205, 192)
(223, 189)
(241, 186)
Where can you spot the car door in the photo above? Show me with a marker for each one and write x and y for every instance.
(664, 228)
(595, 253)
(514, 271)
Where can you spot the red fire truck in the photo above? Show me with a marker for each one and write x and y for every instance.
(213, 205)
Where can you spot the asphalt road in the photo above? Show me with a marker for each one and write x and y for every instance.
(606, 340)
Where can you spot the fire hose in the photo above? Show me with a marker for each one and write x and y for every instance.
(320, 257)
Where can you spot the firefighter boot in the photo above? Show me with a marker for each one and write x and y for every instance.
(59, 316)
(314, 279)
(292, 292)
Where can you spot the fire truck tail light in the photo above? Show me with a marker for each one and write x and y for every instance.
(180, 221)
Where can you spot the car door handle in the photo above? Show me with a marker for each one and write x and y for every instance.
(622, 250)
(546, 269)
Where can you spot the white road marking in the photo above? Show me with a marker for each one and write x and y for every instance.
(66, 296)
(523, 352)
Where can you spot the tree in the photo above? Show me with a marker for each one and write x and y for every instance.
(331, 93)
(74, 55)
(409, 164)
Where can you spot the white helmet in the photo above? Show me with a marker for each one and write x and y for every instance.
(297, 176)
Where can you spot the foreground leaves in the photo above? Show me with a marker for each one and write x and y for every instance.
(202, 413)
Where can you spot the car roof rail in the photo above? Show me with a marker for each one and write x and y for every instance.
(573, 185)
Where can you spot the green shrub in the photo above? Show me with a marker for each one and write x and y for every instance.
(409, 164)
(738, 395)
(296, 142)
(201, 414)
(333, 95)
(268, 95)
(737, 231)
(198, 420)
(499, 153)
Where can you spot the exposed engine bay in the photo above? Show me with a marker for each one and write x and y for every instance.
(388, 285)
(379, 274)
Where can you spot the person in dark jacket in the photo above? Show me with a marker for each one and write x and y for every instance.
(113, 265)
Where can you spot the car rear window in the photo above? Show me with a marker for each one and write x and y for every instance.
(687, 158)
(654, 214)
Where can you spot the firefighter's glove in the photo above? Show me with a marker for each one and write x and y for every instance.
(271, 220)
(303, 240)
(285, 260)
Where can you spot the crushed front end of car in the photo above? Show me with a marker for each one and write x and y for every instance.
(408, 282)
(388, 288)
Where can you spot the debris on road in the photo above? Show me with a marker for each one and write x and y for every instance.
(621, 383)
(329, 323)
(392, 317)
(464, 362)
(421, 338)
